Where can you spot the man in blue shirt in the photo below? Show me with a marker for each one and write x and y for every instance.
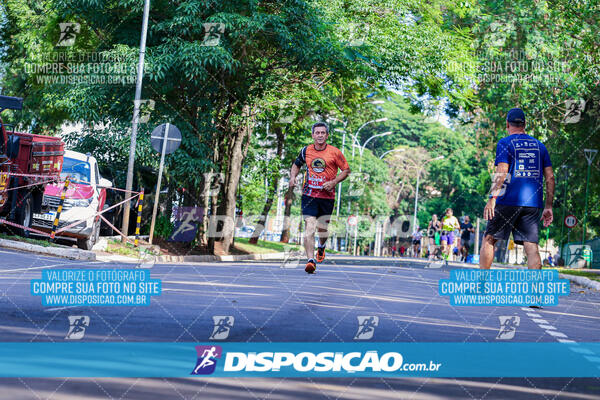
(517, 195)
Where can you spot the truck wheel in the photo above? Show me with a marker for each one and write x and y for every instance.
(88, 243)
(25, 215)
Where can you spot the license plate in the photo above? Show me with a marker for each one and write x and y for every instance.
(45, 217)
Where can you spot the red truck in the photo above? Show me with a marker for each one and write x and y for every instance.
(27, 161)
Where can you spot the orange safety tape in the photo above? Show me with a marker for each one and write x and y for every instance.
(33, 184)
(95, 215)
(123, 190)
(114, 228)
(30, 175)
(3, 221)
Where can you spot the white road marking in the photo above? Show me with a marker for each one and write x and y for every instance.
(550, 330)
(58, 308)
(580, 350)
(32, 268)
(556, 334)
(593, 359)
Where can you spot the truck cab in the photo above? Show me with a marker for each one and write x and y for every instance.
(84, 198)
(27, 163)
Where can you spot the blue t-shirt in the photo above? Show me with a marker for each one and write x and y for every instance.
(526, 158)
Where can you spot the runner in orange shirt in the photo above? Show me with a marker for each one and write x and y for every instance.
(318, 193)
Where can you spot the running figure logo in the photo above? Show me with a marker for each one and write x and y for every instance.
(366, 327)
(77, 326)
(212, 33)
(145, 260)
(68, 33)
(574, 111)
(508, 326)
(207, 359)
(223, 324)
(291, 258)
(145, 107)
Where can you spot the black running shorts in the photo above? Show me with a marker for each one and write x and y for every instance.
(316, 207)
(523, 222)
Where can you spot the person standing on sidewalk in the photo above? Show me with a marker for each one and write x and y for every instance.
(416, 242)
(517, 195)
(432, 231)
(318, 192)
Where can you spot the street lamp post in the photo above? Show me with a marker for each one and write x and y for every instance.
(562, 224)
(417, 190)
(339, 197)
(136, 115)
(390, 151)
(345, 123)
(589, 155)
(355, 138)
(362, 148)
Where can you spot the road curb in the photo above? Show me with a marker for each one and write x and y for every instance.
(582, 281)
(579, 280)
(73, 254)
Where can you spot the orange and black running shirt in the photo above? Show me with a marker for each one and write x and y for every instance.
(322, 166)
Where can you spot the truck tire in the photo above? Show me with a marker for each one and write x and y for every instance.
(25, 215)
(88, 243)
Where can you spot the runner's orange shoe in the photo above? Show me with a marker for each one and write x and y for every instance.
(311, 266)
(320, 254)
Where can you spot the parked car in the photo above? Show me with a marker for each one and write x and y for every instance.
(244, 231)
(83, 200)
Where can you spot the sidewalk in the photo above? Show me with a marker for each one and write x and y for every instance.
(192, 259)
(62, 251)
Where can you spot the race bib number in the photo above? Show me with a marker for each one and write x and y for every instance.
(316, 182)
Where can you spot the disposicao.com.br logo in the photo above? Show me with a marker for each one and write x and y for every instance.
(322, 362)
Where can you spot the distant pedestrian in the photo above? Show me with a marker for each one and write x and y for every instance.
(433, 234)
(466, 237)
(416, 242)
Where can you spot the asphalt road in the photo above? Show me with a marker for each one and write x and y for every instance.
(270, 303)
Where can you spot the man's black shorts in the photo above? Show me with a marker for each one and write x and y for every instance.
(523, 222)
(316, 207)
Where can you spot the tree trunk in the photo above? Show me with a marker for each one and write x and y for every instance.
(262, 220)
(271, 191)
(289, 200)
(237, 153)
(211, 200)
